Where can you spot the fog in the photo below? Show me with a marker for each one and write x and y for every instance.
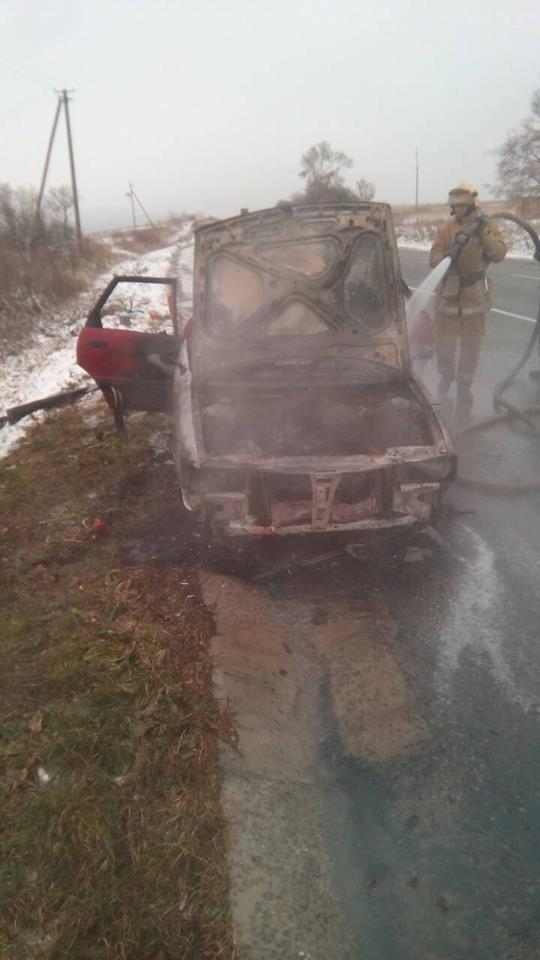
(208, 105)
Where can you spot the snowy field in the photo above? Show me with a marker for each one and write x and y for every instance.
(520, 247)
(48, 365)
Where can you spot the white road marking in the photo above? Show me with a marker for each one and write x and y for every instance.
(525, 276)
(517, 316)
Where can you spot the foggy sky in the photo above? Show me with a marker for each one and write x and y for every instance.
(209, 105)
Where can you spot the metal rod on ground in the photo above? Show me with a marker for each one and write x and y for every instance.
(39, 200)
(65, 100)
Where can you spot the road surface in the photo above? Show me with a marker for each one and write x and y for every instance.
(515, 289)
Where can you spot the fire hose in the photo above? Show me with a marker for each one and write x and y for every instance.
(505, 409)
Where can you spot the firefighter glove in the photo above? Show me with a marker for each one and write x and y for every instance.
(460, 240)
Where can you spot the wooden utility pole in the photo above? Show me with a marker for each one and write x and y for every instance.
(37, 214)
(133, 196)
(150, 221)
(65, 100)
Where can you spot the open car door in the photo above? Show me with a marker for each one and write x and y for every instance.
(134, 369)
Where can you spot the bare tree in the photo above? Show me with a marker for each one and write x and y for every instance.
(318, 192)
(16, 215)
(365, 189)
(518, 158)
(322, 165)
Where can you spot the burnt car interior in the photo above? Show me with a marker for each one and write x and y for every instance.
(308, 420)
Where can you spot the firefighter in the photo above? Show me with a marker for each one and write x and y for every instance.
(463, 298)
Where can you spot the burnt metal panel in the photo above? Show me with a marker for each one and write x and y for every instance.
(241, 240)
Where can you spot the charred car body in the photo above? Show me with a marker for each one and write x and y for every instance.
(294, 406)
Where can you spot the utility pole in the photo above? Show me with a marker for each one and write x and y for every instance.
(37, 214)
(416, 193)
(65, 100)
(150, 221)
(131, 196)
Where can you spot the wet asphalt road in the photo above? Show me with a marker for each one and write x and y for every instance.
(515, 282)
(428, 761)
(454, 831)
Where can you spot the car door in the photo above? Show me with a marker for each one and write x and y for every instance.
(133, 368)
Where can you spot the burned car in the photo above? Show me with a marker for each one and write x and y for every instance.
(295, 410)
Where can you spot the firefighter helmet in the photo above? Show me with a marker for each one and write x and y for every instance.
(465, 192)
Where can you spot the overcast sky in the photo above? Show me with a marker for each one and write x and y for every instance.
(208, 104)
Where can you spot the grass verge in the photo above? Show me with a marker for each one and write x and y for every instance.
(111, 838)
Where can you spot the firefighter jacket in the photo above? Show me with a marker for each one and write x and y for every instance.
(465, 290)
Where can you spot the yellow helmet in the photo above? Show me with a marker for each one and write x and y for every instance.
(465, 192)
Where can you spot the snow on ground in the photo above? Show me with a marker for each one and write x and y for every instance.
(422, 245)
(520, 247)
(48, 364)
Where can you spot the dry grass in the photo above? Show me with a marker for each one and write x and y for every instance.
(54, 272)
(105, 680)
(144, 239)
(35, 281)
